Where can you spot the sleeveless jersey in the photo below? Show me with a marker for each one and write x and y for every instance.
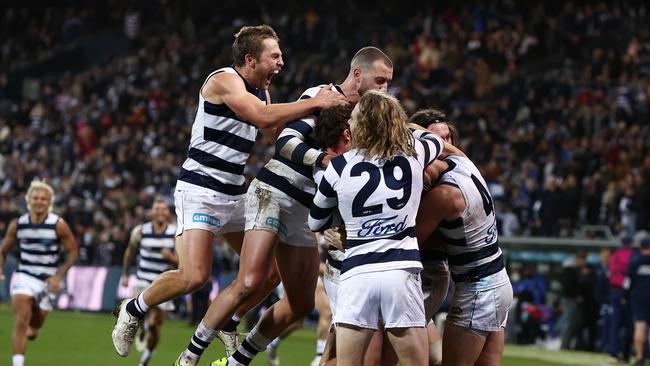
(220, 145)
(290, 169)
(378, 202)
(39, 247)
(471, 241)
(151, 262)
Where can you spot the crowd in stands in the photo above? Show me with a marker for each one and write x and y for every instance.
(551, 99)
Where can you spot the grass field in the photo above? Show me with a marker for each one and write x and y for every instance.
(81, 339)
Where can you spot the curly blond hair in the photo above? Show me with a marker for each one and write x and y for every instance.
(381, 127)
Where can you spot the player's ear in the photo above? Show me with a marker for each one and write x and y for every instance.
(250, 60)
(347, 134)
(357, 75)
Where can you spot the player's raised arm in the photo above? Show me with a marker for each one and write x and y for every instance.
(231, 90)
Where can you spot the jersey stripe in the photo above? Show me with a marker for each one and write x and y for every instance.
(220, 145)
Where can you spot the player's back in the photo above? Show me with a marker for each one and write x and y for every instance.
(471, 241)
(378, 201)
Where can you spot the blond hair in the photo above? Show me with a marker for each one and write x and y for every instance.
(381, 127)
(39, 185)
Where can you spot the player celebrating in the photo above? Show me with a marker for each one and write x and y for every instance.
(377, 187)
(276, 211)
(209, 197)
(460, 208)
(154, 243)
(40, 235)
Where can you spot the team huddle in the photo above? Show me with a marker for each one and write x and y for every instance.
(402, 211)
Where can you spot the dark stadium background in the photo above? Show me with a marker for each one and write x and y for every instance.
(551, 99)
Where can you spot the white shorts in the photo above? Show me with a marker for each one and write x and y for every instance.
(482, 310)
(142, 285)
(200, 209)
(24, 284)
(270, 209)
(435, 285)
(395, 295)
(331, 284)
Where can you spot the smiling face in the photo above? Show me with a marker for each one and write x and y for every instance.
(39, 201)
(376, 77)
(160, 213)
(269, 63)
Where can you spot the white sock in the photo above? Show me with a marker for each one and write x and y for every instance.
(141, 304)
(254, 343)
(146, 356)
(320, 346)
(18, 360)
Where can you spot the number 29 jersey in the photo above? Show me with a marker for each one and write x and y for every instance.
(378, 201)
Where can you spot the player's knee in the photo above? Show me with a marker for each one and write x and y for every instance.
(250, 284)
(195, 281)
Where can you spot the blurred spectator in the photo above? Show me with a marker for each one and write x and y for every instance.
(620, 333)
(601, 294)
(638, 284)
(572, 300)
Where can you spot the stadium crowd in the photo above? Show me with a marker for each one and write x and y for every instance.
(552, 102)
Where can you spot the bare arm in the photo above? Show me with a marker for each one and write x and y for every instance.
(444, 202)
(129, 253)
(8, 242)
(230, 89)
(72, 253)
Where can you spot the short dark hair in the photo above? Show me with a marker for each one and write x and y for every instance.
(426, 117)
(364, 58)
(330, 125)
(249, 41)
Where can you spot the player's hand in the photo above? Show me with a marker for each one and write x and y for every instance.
(336, 237)
(53, 284)
(327, 98)
(167, 254)
(124, 280)
(329, 156)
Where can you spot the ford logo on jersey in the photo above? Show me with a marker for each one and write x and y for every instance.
(381, 227)
(197, 217)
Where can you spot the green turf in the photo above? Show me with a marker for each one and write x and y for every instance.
(75, 339)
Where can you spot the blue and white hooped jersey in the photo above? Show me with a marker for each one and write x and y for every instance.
(220, 145)
(378, 202)
(151, 262)
(471, 241)
(39, 247)
(290, 169)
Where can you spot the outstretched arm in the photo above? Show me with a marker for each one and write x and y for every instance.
(230, 89)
